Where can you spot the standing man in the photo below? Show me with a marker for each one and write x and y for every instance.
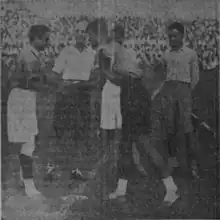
(182, 75)
(26, 83)
(142, 100)
(109, 84)
(75, 64)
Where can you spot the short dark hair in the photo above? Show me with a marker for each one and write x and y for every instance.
(119, 31)
(37, 32)
(178, 26)
(98, 26)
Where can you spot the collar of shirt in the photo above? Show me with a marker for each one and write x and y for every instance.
(74, 51)
(86, 50)
(34, 52)
(182, 49)
(77, 65)
(37, 55)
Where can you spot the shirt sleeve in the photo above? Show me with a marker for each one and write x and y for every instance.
(194, 68)
(19, 72)
(60, 62)
(96, 61)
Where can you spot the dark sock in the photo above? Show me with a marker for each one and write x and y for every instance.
(189, 156)
(172, 151)
(26, 163)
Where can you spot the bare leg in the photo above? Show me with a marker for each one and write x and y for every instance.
(191, 155)
(105, 162)
(114, 154)
(116, 144)
(123, 169)
(104, 138)
(136, 158)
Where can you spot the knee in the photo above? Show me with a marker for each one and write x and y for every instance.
(26, 165)
(28, 148)
(144, 140)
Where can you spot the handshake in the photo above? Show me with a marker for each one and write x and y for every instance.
(37, 82)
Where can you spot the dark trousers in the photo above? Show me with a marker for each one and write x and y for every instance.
(135, 110)
(45, 113)
(169, 111)
(64, 114)
(95, 106)
(170, 116)
(72, 114)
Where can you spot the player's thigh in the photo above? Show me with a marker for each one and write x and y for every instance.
(118, 115)
(107, 116)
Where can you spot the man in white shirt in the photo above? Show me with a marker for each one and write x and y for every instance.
(74, 63)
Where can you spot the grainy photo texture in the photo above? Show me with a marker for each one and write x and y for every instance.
(110, 109)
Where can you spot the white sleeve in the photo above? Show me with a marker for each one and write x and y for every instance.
(60, 62)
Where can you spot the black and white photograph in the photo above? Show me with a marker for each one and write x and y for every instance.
(110, 109)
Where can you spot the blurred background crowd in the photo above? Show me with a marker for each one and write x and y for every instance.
(146, 36)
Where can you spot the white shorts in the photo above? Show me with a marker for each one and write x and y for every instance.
(21, 115)
(111, 113)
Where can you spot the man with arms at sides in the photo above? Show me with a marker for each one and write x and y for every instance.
(75, 64)
(175, 87)
(182, 75)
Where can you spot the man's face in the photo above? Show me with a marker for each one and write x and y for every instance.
(80, 40)
(43, 43)
(175, 38)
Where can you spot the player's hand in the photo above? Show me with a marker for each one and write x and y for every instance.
(64, 86)
(61, 87)
(118, 72)
(38, 83)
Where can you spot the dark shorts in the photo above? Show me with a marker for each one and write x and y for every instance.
(171, 110)
(135, 109)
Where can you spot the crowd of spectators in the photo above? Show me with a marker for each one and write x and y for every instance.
(147, 37)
